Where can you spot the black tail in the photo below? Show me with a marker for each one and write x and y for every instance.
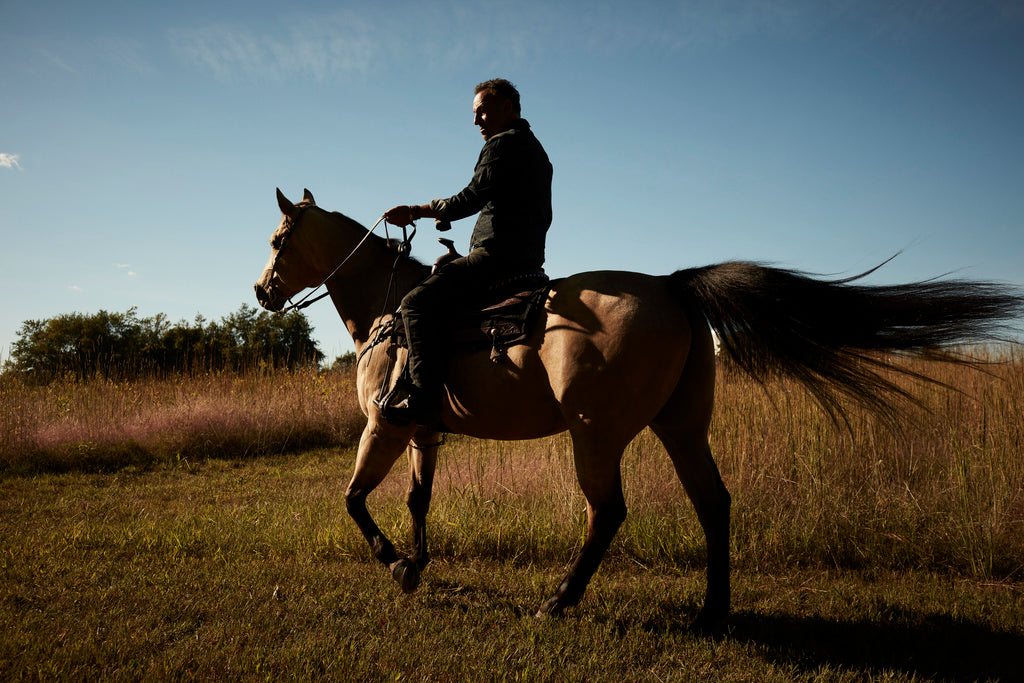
(827, 334)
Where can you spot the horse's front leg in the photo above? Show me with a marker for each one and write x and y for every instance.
(379, 448)
(422, 463)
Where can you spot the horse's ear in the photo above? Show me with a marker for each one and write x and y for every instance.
(307, 196)
(287, 208)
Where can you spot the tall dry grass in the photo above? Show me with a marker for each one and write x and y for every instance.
(104, 424)
(944, 494)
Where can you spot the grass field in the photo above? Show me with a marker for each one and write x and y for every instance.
(195, 528)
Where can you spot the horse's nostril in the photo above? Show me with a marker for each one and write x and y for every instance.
(263, 297)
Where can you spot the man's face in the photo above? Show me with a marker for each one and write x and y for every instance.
(492, 114)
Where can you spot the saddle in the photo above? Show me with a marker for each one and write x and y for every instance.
(505, 319)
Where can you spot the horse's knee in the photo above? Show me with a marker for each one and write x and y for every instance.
(612, 515)
(722, 500)
(355, 501)
(716, 499)
(418, 501)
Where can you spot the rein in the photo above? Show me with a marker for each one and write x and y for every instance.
(404, 248)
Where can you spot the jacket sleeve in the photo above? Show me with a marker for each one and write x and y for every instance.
(479, 191)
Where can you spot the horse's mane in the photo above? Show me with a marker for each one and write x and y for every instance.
(390, 244)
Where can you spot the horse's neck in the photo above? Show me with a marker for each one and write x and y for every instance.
(362, 297)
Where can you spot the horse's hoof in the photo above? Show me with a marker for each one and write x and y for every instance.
(710, 624)
(406, 574)
(552, 608)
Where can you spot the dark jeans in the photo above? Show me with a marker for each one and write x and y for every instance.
(432, 307)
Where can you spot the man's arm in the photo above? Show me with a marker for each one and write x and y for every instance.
(404, 215)
(471, 200)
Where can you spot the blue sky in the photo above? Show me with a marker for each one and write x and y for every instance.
(141, 142)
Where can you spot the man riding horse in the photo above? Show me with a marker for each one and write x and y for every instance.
(511, 190)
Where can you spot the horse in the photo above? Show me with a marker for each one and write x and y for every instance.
(613, 353)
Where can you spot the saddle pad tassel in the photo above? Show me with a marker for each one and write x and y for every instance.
(497, 350)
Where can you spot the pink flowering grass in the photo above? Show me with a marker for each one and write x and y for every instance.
(946, 492)
(106, 424)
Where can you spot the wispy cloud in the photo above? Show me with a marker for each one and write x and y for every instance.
(345, 43)
(125, 55)
(56, 60)
(320, 50)
(335, 46)
(129, 271)
(74, 288)
(9, 161)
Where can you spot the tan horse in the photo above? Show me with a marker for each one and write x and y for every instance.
(614, 353)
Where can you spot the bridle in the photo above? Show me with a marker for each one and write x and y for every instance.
(403, 249)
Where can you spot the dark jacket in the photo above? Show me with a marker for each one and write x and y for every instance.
(511, 190)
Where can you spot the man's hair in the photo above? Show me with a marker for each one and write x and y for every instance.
(503, 89)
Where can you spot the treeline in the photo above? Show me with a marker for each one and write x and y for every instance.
(122, 345)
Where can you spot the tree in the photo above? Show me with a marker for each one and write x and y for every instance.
(122, 344)
(345, 362)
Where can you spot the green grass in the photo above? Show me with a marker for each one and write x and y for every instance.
(185, 528)
(251, 569)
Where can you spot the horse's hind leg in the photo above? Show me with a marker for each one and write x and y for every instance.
(696, 468)
(597, 469)
(682, 425)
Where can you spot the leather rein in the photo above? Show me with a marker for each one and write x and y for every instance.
(404, 248)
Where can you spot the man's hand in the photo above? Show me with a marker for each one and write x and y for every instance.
(400, 216)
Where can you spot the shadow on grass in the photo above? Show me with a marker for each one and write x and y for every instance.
(930, 645)
(916, 644)
(923, 645)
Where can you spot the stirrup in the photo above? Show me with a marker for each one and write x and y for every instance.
(397, 398)
(406, 404)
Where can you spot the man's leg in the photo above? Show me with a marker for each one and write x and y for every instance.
(424, 316)
(428, 311)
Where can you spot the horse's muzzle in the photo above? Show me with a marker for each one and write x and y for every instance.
(268, 297)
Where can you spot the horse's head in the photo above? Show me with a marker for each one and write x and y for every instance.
(297, 257)
(311, 246)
